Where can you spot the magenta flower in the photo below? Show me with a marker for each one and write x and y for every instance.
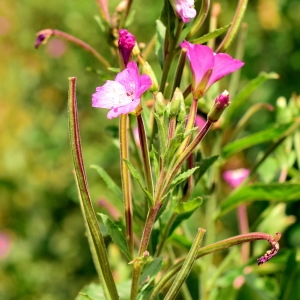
(122, 95)
(208, 67)
(185, 9)
(235, 177)
(126, 43)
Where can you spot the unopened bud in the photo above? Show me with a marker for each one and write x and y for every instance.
(126, 43)
(176, 102)
(149, 71)
(42, 37)
(159, 106)
(221, 102)
(182, 113)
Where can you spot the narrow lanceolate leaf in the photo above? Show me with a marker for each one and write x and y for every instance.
(108, 180)
(135, 174)
(211, 35)
(93, 229)
(116, 235)
(182, 177)
(277, 192)
(270, 134)
(243, 95)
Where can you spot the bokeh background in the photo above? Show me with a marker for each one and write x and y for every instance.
(43, 250)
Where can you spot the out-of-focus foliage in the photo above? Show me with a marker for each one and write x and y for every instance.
(47, 255)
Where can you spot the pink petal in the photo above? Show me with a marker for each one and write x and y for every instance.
(145, 83)
(116, 111)
(111, 94)
(201, 59)
(224, 65)
(236, 177)
(185, 9)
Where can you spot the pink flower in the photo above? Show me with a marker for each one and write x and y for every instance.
(122, 95)
(185, 9)
(199, 122)
(208, 67)
(235, 177)
(126, 43)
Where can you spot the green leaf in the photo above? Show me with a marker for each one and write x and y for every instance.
(182, 177)
(267, 135)
(169, 154)
(185, 210)
(189, 206)
(243, 95)
(150, 270)
(160, 41)
(116, 234)
(94, 291)
(137, 177)
(276, 192)
(211, 35)
(108, 180)
(204, 165)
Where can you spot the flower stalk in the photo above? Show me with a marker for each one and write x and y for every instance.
(44, 35)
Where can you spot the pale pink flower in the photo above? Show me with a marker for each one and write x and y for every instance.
(235, 177)
(208, 67)
(185, 9)
(122, 95)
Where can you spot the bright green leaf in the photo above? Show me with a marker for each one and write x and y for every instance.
(276, 192)
(211, 35)
(267, 135)
(182, 177)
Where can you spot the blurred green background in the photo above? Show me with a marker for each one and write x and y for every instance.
(43, 250)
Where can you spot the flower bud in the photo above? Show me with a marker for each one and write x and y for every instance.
(176, 102)
(221, 102)
(159, 104)
(149, 71)
(126, 43)
(182, 113)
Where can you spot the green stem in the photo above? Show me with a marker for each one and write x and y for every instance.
(186, 267)
(145, 154)
(125, 176)
(137, 267)
(218, 246)
(89, 214)
(179, 70)
(231, 33)
(200, 19)
(170, 53)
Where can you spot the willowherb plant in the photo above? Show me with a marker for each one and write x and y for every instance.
(179, 174)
